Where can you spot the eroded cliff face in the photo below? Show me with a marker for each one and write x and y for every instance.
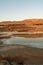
(13, 27)
(29, 25)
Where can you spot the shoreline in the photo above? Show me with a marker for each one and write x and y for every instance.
(21, 34)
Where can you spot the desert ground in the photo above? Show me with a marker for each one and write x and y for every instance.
(20, 55)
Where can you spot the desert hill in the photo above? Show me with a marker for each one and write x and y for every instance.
(28, 25)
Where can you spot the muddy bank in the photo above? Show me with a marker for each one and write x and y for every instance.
(20, 55)
(7, 35)
(29, 35)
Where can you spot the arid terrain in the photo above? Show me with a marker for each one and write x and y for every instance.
(20, 55)
(13, 54)
(34, 27)
(28, 25)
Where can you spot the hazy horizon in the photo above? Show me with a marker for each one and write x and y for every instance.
(14, 10)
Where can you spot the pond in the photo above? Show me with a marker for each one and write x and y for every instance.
(34, 42)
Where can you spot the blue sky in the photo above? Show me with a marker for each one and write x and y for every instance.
(20, 9)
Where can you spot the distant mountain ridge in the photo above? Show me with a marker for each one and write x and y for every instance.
(27, 25)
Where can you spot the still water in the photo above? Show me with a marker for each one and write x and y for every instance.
(34, 42)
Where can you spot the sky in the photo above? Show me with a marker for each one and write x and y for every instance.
(20, 9)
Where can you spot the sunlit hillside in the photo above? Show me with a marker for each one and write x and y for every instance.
(28, 25)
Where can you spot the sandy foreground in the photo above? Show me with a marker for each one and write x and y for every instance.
(20, 55)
